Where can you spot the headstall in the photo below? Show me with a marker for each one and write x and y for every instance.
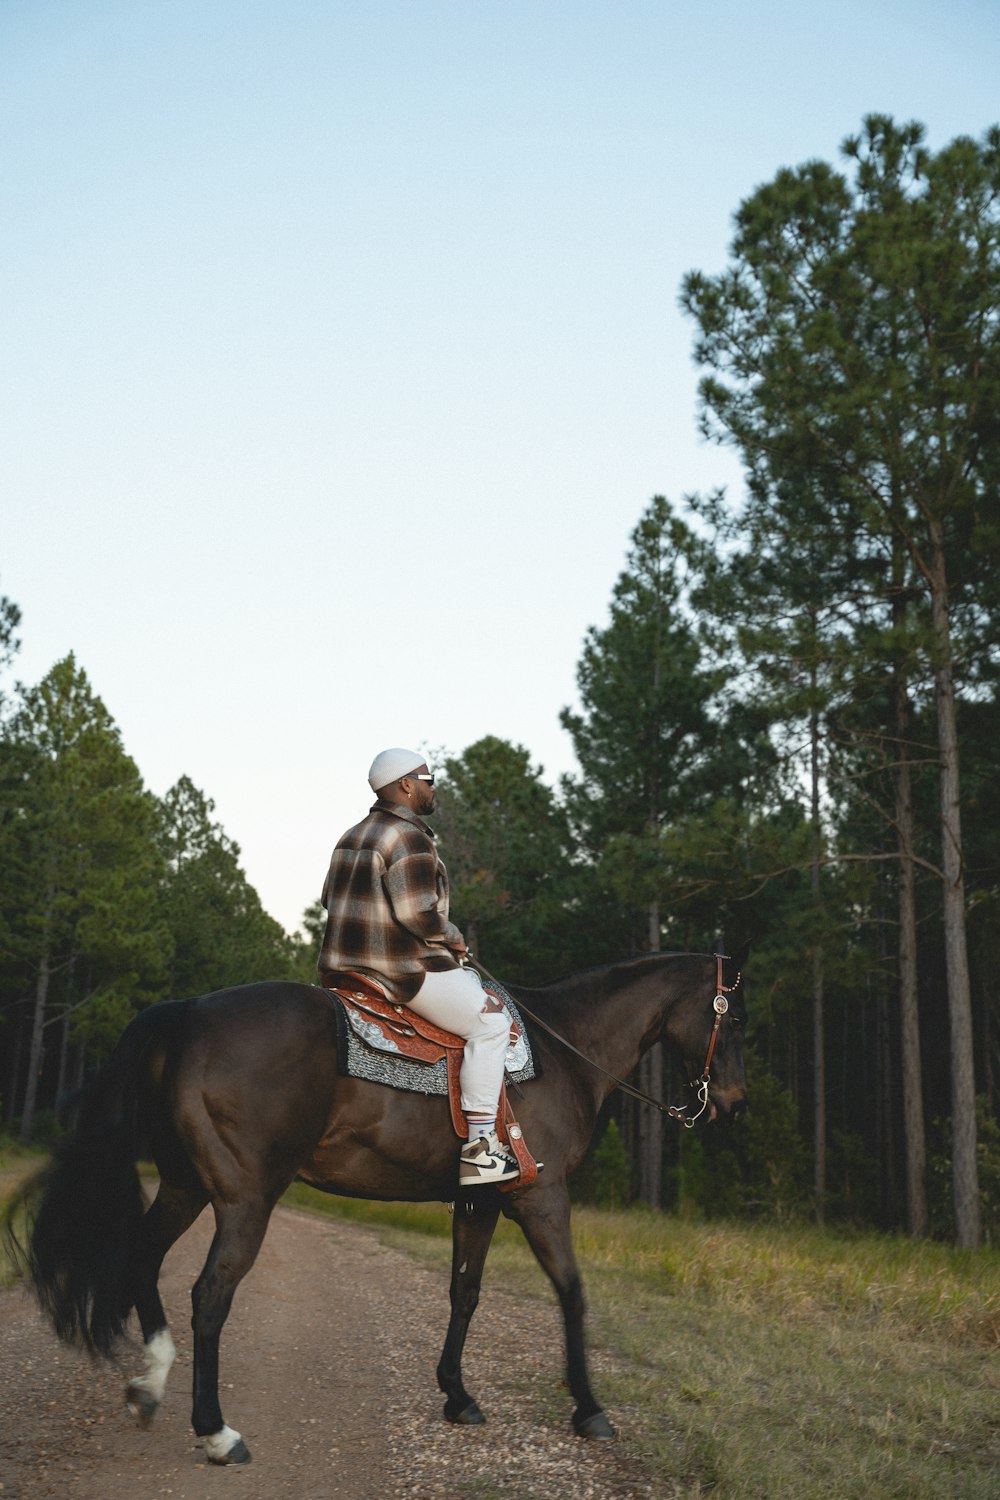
(720, 1005)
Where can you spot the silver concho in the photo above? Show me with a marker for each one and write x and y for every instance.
(369, 1032)
(721, 1005)
(517, 1055)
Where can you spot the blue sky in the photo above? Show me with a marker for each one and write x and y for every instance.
(341, 349)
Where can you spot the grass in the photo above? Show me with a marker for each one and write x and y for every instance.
(752, 1361)
(16, 1163)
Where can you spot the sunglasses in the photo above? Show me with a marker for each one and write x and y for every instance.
(420, 776)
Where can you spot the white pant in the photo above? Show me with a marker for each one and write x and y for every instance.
(455, 1000)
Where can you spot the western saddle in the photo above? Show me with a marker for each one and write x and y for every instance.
(414, 1037)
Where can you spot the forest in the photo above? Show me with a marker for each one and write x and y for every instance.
(785, 732)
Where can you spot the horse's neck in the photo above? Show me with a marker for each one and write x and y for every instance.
(614, 1015)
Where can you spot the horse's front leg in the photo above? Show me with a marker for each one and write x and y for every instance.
(543, 1214)
(475, 1220)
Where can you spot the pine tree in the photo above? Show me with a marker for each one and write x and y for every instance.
(84, 930)
(506, 843)
(854, 347)
(221, 933)
(652, 750)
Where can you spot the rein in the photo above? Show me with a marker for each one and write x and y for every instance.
(720, 1005)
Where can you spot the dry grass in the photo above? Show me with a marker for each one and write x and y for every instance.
(803, 1273)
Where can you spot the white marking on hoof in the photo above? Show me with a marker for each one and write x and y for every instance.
(160, 1355)
(220, 1445)
(145, 1393)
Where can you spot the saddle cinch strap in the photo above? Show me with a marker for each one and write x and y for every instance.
(417, 1038)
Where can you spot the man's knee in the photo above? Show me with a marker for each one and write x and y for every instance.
(493, 1023)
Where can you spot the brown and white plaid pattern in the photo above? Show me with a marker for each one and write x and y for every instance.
(386, 896)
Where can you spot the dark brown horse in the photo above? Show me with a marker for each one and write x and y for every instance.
(236, 1094)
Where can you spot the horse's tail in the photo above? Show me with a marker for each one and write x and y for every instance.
(84, 1208)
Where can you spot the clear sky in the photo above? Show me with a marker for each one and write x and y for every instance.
(340, 350)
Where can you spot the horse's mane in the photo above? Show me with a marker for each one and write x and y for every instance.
(550, 990)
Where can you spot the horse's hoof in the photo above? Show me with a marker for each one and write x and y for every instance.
(226, 1447)
(596, 1426)
(141, 1403)
(469, 1416)
(239, 1453)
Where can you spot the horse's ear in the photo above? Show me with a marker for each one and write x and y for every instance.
(740, 958)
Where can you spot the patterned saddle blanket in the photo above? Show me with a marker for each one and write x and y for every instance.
(385, 1042)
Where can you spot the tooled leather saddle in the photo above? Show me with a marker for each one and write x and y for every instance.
(394, 1027)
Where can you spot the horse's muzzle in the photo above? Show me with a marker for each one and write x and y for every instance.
(726, 1111)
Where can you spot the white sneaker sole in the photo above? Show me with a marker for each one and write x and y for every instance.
(480, 1181)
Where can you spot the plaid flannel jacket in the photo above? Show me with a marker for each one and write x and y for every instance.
(386, 897)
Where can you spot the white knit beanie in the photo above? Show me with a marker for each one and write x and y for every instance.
(389, 765)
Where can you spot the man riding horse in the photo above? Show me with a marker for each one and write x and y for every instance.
(239, 1092)
(386, 897)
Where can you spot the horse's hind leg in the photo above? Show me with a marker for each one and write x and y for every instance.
(239, 1232)
(475, 1221)
(543, 1214)
(173, 1211)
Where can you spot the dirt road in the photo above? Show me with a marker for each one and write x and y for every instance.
(328, 1371)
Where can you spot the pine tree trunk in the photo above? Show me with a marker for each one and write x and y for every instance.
(63, 1059)
(886, 1119)
(989, 1073)
(13, 1091)
(965, 1173)
(651, 1134)
(35, 1048)
(909, 1017)
(650, 1119)
(819, 1048)
(76, 1084)
(819, 1085)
